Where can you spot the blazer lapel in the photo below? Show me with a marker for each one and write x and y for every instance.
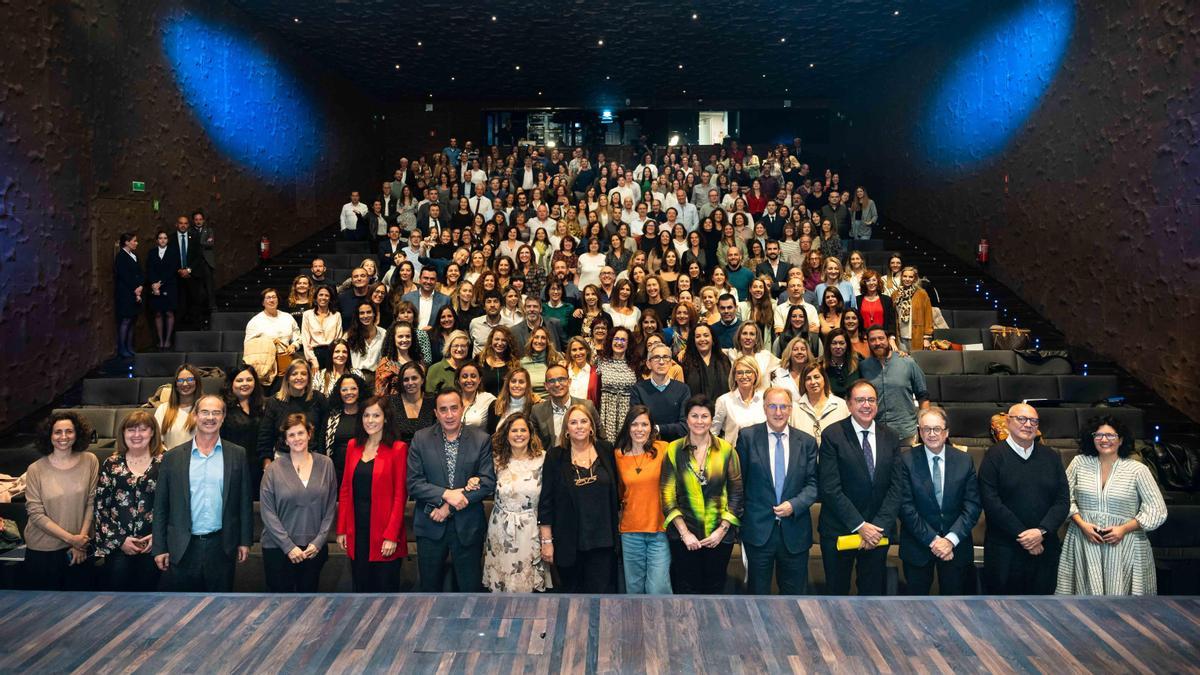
(186, 470)
(794, 459)
(228, 469)
(855, 446)
(921, 472)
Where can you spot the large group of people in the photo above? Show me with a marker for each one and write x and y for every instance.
(636, 367)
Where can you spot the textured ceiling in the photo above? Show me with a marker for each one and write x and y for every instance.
(746, 49)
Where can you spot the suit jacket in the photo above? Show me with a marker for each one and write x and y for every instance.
(921, 517)
(389, 207)
(889, 313)
(558, 503)
(799, 487)
(425, 225)
(172, 527)
(440, 300)
(371, 223)
(553, 327)
(388, 497)
(163, 270)
(208, 242)
(781, 277)
(386, 254)
(848, 494)
(194, 254)
(427, 480)
(774, 225)
(542, 415)
(518, 177)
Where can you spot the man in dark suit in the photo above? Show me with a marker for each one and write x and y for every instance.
(432, 224)
(775, 268)
(388, 248)
(426, 299)
(203, 233)
(771, 219)
(449, 519)
(533, 321)
(939, 505)
(548, 415)
(191, 283)
(779, 474)
(858, 495)
(388, 201)
(202, 512)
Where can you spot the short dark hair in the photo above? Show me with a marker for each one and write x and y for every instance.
(1087, 444)
(860, 382)
(727, 296)
(445, 390)
(335, 394)
(83, 431)
(699, 401)
(875, 327)
(494, 293)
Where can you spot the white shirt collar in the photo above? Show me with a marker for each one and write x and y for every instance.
(1024, 453)
(860, 429)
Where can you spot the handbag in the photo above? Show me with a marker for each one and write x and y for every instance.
(283, 358)
(1178, 466)
(1010, 337)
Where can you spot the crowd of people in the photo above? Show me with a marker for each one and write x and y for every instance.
(636, 367)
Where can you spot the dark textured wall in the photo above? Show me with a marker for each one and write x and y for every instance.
(1099, 225)
(89, 103)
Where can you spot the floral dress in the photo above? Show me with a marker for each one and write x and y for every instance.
(616, 384)
(124, 503)
(512, 554)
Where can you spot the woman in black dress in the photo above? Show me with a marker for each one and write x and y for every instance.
(128, 278)
(577, 508)
(341, 422)
(162, 266)
(244, 403)
(413, 409)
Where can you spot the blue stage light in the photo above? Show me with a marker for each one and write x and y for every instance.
(995, 83)
(255, 112)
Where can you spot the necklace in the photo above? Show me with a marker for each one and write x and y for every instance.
(637, 457)
(702, 474)
(582, 479)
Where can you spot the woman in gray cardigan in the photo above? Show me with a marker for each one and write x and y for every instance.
(298, 502)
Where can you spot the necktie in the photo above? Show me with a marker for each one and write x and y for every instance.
(780, 471)
(451, 450)
(868, 455)
(937, 479)
(183, 248)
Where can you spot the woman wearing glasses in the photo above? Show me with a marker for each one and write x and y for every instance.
(1114, 503)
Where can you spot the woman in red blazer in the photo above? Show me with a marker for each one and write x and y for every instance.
(371, 501)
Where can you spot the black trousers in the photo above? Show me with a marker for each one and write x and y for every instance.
(700, 572)
(52, 571)
(790, 569)
(466, 560)
(840, 566)
(375, 577)
(952, 576)
(1013, 571)
(204, 568)
(594, 571)
(130, 573)
(284, 576)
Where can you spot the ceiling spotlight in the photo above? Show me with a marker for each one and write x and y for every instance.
(295, 19)
(685, 91)
(397, 66)
(608, 77)
(764, 74)
(695, 16)
(451, 78)
(681, 66)
(493, 17)
(812, 65)
(539, 93)
(674, 140)
(431, 94)
(600, 42)
(419, 43)
(783, 39)
(896, 13)
(518, 67)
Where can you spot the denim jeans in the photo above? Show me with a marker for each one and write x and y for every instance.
(647, 559)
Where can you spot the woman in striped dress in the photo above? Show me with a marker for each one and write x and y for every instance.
(1114, 502)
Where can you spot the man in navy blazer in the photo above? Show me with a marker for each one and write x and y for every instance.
(858, 493)
(779, 472)
(449, 518)
(426, 299)
(939, 505)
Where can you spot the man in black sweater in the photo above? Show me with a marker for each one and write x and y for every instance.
(666, 398)
(1025, 499)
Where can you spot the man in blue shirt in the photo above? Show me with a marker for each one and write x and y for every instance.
(452, 152)
(899, 381)
(202, 510)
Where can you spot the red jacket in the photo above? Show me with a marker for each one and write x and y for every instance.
(389, 492)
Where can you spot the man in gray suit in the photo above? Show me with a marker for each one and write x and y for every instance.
(548, 415)
(449, 519)
(208, 265)
(426, 299)
(533, 321)
(202, 511)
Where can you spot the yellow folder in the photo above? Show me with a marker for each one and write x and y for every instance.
(851, 542)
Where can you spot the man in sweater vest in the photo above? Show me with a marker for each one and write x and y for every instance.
(1025, 499)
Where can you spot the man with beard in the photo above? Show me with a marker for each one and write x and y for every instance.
(899, 380)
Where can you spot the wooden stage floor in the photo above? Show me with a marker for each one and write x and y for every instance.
(155, 633)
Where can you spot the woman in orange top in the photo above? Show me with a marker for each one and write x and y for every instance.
(371, 503)
(645, 551)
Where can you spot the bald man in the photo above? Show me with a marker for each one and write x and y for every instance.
(1025, 500)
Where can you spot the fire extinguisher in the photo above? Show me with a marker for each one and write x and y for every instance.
(981, 255)
(264, 249)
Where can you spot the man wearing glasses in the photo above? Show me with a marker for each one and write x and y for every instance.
(939, 504)
(548, 415)
(665, 398)
(858, 495)
(1025, 497)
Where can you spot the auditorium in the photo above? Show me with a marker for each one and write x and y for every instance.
(685, 337)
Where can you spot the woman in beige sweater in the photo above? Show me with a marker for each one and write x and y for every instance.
(58, 499)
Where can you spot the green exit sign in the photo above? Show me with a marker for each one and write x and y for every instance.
(139, 186)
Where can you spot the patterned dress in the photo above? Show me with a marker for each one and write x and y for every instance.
(1127, 568)
(512, 555)
(124, 504)
(616, 384)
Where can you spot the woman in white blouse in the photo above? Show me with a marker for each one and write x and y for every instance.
(590, 264)
(365, 340)
(270, 323)
(743, 405)
(319, 327)
(620, 306)
(579, 368)
(476, 402)
(748, 342)
(817, 408)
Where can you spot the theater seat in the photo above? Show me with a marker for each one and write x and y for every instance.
(933, 387)
(231, 320)
(978, 362)
(971, 422)
(148, 386)
(939, 363)
(353, 247)
(974, 318)
(1051, 366)
(110, 391)
(1086, 388)
(231, 341)
(1058, 423)
(226, 361)
(972, 388)
(197, 341)
(157, 364)
(102, 420)
(1015, 388)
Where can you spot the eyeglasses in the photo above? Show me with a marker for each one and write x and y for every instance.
(185, 380)
(556, 380)
(620, 340)
(1022, 420)
(660, 357)
(864, 399)
(932, 430)
(739, 373)
(1102, 436)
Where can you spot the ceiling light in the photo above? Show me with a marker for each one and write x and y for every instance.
(674, 140)
(812, 65)
(608, 77)
(493, 17)
(295, 19)
(685, 91)
(764, 74)
(539, 93)
(695, 16)
(518, 67)
(896, 13)
(397, 66)
(600, 42)
(451, 78)
(783, 39)
(419, 43)
(681, 66)
(550, 143)
(431, 94)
